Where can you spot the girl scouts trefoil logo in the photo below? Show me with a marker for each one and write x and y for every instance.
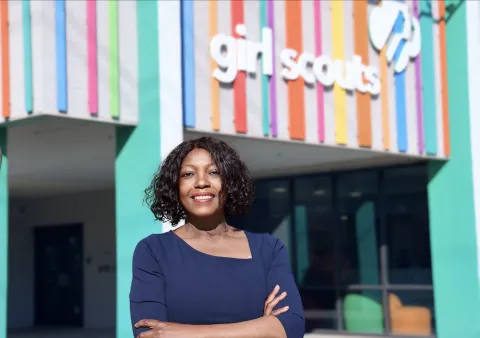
(391, 24)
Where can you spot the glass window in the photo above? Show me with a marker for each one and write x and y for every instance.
(314, 237)
(315, 252)
(359, 238)
(407, 226)
(270, 212)
(359, 244)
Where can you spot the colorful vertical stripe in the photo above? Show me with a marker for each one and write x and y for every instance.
(443, 76)
(265, 78)
(296, 91)
(214, 85)
(239, 92)
(418, 88)
(188, 63)
(364, 121)
(282, 116)
(384, 97)
(400, 95)
(113, 62)
(273, 77)
(339, 94)
(428, 80)
(318, 51)
(61, 53)
(27, 55)
(92, 56)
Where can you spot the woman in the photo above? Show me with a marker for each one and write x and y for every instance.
(207, 279)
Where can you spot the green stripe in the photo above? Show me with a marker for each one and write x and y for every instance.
(138, 156)
(428, 79)
(3, 235)
(113, 51)
(451, 204)
(265, 78)
(27, 51)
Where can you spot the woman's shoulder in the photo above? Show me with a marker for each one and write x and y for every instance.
(265, 242)
(153, 244)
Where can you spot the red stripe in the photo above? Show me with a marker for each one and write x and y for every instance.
(296, 88)
(239, 91)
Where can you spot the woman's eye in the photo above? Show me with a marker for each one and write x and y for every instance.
(214, 173)
(187, 174)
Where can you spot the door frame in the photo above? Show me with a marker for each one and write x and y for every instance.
(36, 270)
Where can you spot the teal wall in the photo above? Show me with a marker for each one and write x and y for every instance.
(451, 204)
(138, 156)
(3, 234)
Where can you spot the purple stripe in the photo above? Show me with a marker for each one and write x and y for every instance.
(318, 52)
(273, 88)
(418, 87)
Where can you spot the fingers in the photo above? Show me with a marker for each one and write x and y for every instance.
(272, 294)
(150, 323)
(271, 305)
(280, 311)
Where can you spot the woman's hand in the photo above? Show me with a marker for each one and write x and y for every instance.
(164, 330)
(272, 301)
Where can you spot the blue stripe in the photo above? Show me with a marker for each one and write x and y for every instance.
(428, 80)
(27, 55)
(61, 50)
(188, 63)
(400, 96)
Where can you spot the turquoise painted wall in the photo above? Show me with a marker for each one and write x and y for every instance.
(3, 234)
(138, 156)
(451, 204)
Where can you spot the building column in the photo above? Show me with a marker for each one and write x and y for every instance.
(453, 191)
(141, 149)
(3, 233)
(137, 158)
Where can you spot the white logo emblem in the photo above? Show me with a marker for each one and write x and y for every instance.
(381, 22)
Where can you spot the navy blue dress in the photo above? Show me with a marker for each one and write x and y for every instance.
(173, 282)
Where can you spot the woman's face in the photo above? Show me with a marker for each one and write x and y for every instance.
(199, 185)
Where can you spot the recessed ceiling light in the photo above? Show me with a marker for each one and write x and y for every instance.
(355, 194)
(279, 190)
(318, 192)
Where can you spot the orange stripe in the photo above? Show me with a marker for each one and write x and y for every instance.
(5, 59)
(296, 101)
(443, 75)
(364, 122)
(239, 94)
(214, 85)
(384, 98)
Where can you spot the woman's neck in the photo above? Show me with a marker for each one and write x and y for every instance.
(207, 227)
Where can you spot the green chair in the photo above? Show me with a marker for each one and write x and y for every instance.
(362, 314)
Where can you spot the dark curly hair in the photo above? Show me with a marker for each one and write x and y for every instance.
(237, 185)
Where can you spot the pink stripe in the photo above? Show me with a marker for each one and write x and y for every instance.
(318, 51)
(92, 56)
(418, 87)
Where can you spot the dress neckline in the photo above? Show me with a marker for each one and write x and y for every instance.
(250, 258)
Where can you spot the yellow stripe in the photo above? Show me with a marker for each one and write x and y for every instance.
(214, 85)
(339, 94)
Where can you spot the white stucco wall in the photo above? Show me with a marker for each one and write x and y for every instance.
(97, 213)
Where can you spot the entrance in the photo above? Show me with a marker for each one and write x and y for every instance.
(59, 275)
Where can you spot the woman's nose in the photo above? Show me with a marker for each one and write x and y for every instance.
(202, 181)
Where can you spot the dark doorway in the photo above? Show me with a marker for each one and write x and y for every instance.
(59, 275)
